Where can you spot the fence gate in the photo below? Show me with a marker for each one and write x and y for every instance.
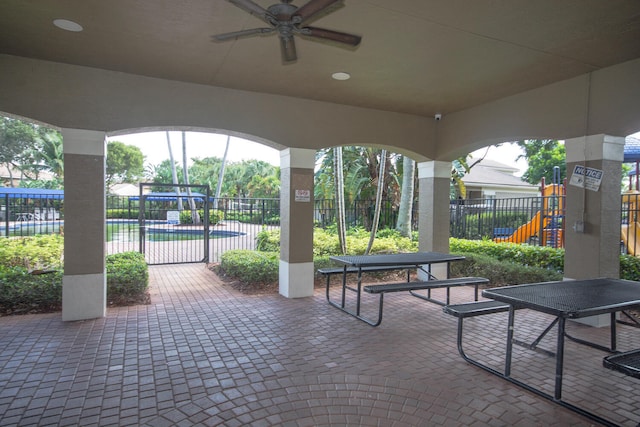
(174, 224)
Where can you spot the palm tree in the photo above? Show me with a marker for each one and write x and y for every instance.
(174, 172)
(195, 216)
(378, 205)
(221, 174)
(339, 188)
(52, 154)
(406, 196)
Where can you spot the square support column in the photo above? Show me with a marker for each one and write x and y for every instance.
(84, 286)
(434, 179)
(594, 249)
(296, 222)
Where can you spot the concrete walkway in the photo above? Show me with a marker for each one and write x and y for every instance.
(204, 354)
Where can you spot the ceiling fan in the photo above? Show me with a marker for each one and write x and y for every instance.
(287, 20)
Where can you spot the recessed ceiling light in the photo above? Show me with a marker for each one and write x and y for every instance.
(67, 25)
(341, 76)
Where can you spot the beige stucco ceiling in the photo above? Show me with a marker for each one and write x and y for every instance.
(417, 56)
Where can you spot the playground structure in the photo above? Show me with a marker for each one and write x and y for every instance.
(547, 224)
(630, 232)
(630, 228)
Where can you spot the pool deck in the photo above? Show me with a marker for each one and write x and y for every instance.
(204, 354)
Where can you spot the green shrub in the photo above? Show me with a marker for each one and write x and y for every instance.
(36, 252)
(122, 213)
(21, 292)
(629, 267)
(268, 240)
(127, 275)
(250, 266)
(215, 216)
(526, 255)
(500, 273)
(326, 243)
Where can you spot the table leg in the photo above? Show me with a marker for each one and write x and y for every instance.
(359, 291)
(344, 286)
(613, 331)
(560, 358)
(507, 361)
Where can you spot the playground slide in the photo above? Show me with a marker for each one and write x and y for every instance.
(526, 231)
(631, 238)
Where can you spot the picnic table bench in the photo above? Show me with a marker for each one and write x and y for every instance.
(627, 362)
(428, 285)
(377, 263)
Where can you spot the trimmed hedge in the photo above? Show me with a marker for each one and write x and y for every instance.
(525, 255)
(326, 243)
(250, 266)
(500, 273)
(215, 216)
(23, 290)
(127, 275)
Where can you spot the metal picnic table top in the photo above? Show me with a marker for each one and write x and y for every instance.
(411, 258)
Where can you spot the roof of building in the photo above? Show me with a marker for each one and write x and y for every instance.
(492, 173)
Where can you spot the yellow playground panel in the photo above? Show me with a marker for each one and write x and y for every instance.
(548, 219)
(631, 230)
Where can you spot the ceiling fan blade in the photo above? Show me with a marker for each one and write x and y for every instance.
(313, 8)
(288, 49)
(335, 36)
(253, 9)
(234, 35)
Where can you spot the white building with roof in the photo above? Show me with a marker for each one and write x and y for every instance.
(489, 179)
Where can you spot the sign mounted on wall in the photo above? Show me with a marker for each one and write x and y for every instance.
(303, 196)
(585, 177)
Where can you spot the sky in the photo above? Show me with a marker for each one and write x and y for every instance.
(199, 144)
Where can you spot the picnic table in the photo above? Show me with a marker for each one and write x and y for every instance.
(384, 262)
(571, 299)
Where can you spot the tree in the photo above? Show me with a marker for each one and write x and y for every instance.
(542, 155)
(18, 141)
(406, 196)
(378, 205)
(51, 156)
(174, 173)
(264, 187)
(195, 216)
(221, 174)
(125, 163)
(340, 208)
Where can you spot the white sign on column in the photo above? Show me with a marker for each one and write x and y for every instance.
(303, 196)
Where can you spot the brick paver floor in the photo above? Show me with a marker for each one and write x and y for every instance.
(204, 354)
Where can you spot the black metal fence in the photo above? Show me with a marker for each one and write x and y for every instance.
(235, 223)
(30, 212)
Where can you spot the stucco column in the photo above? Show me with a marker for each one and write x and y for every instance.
(434, 179)
(593, 250)
(84, 286)
(296, 222)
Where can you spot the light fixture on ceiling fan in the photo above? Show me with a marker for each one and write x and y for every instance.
(287, 20)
